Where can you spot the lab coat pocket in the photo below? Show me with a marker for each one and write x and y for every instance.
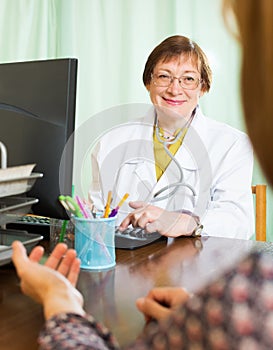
(136, 178)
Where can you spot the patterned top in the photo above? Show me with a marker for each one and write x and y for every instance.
(235, 312)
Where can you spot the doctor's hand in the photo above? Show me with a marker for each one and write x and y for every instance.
(51, 285)
(152, 218)
(161, 302)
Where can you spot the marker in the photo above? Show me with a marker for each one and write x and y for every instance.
(115, 210)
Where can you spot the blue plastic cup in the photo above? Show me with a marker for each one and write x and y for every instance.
(95, 242)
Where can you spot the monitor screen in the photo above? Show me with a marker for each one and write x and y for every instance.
(37, 116)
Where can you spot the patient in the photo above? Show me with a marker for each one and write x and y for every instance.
(235, 312)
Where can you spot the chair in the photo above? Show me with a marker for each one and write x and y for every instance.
(260, 229)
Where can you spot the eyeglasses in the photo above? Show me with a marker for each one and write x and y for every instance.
(185, 81)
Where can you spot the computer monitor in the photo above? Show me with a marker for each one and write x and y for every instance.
(37, 117)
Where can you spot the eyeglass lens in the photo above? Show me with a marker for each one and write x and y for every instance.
(164, 80)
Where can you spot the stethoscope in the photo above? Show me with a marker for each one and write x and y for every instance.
(166, 143)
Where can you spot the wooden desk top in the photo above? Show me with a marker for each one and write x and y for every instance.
(110, 295)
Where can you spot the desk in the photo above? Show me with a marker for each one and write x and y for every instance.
(110, 295)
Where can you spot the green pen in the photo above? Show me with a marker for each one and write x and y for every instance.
(63, 230)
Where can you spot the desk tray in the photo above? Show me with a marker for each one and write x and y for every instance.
(8, 236)
(12, 208)
(18, 185)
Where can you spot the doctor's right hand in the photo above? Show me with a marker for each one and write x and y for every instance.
(152, 218)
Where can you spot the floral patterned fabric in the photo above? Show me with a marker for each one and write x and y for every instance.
(235, 312)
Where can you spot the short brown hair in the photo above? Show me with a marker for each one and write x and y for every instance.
(175, 46)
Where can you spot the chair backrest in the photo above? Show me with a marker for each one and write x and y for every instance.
(260, 227)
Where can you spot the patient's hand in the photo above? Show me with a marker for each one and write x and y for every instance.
(51, 284)
(161, 302)
(60, 259)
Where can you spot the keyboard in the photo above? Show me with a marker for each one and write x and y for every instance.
(134, 237)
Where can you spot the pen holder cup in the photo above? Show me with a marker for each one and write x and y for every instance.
(95, 242)
(61, 231)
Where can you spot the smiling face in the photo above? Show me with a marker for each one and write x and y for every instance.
(177, 102)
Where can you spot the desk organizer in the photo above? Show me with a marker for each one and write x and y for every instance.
(18, 185)
(8, 236)
(15, 181)
(12, 208)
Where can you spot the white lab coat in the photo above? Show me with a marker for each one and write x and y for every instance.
(216, 160)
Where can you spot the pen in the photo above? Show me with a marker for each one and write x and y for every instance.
(86, 213)
(116, 209)
(107, 207)
(63, 230)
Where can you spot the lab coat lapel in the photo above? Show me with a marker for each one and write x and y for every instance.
(193, 151)
(145, 171)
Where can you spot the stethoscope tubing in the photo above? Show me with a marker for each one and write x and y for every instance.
(181, 182)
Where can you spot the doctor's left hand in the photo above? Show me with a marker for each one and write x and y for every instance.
(152, 218)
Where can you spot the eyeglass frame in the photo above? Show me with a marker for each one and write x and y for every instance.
(199, 81)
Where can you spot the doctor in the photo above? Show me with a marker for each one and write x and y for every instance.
(180, 168)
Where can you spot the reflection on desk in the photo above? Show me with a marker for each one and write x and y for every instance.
(110, 295)
(188, 262)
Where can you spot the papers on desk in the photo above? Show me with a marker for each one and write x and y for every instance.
(16, 180)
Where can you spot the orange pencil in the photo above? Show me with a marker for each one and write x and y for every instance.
(107, 206)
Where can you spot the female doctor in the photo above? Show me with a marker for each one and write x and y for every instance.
(180, 168)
